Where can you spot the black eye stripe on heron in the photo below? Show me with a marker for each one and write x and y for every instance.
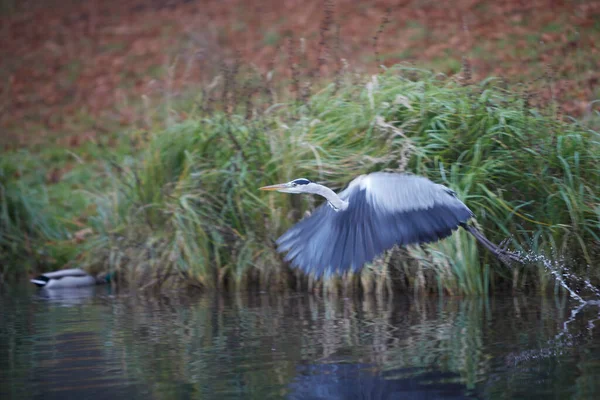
(301, 181)
(373, 214)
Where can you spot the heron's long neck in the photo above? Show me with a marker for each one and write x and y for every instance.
(333, 199)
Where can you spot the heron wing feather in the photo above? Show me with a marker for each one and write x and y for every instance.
(384, 210)
(392, 192)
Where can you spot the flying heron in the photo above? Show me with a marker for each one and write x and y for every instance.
(373, 214)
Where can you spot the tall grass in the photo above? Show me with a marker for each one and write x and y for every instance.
(188, 209)
(44, 208)
(28, 220)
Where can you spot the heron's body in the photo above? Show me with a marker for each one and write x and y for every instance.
(66, 278)
(373, 214)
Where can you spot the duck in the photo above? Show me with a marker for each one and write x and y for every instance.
(68, 278)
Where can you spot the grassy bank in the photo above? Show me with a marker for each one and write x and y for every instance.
(185, 208)
(44, 205)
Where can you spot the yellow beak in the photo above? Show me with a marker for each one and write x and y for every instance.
(274, 187)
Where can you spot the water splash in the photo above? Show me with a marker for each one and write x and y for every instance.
(563, 276)
(569, 281)
(562, 342)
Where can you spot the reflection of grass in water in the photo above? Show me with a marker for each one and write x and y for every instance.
(220, 342)
(250, 346)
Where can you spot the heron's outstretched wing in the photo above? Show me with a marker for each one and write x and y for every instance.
(384, 210)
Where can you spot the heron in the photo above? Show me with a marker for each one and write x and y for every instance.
(376, 212)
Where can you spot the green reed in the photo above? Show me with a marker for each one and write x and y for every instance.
(186, 209)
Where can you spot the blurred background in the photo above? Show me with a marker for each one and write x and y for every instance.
(74, 70)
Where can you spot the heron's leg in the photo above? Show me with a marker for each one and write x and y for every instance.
(501, 251)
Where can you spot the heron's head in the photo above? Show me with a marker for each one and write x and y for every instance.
(300, 185)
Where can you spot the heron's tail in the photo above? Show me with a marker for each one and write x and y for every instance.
(499, 251)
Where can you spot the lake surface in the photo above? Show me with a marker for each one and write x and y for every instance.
(96, 344)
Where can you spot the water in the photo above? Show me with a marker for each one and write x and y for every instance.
(579, 287)
(96, 344)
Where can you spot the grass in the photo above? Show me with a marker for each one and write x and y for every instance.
(185, 208)
(43, 205)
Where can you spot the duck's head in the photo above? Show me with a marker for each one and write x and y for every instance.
(105, 277)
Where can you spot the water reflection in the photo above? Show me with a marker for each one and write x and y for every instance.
(66, 296)
(358, 381)
(97, 344)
